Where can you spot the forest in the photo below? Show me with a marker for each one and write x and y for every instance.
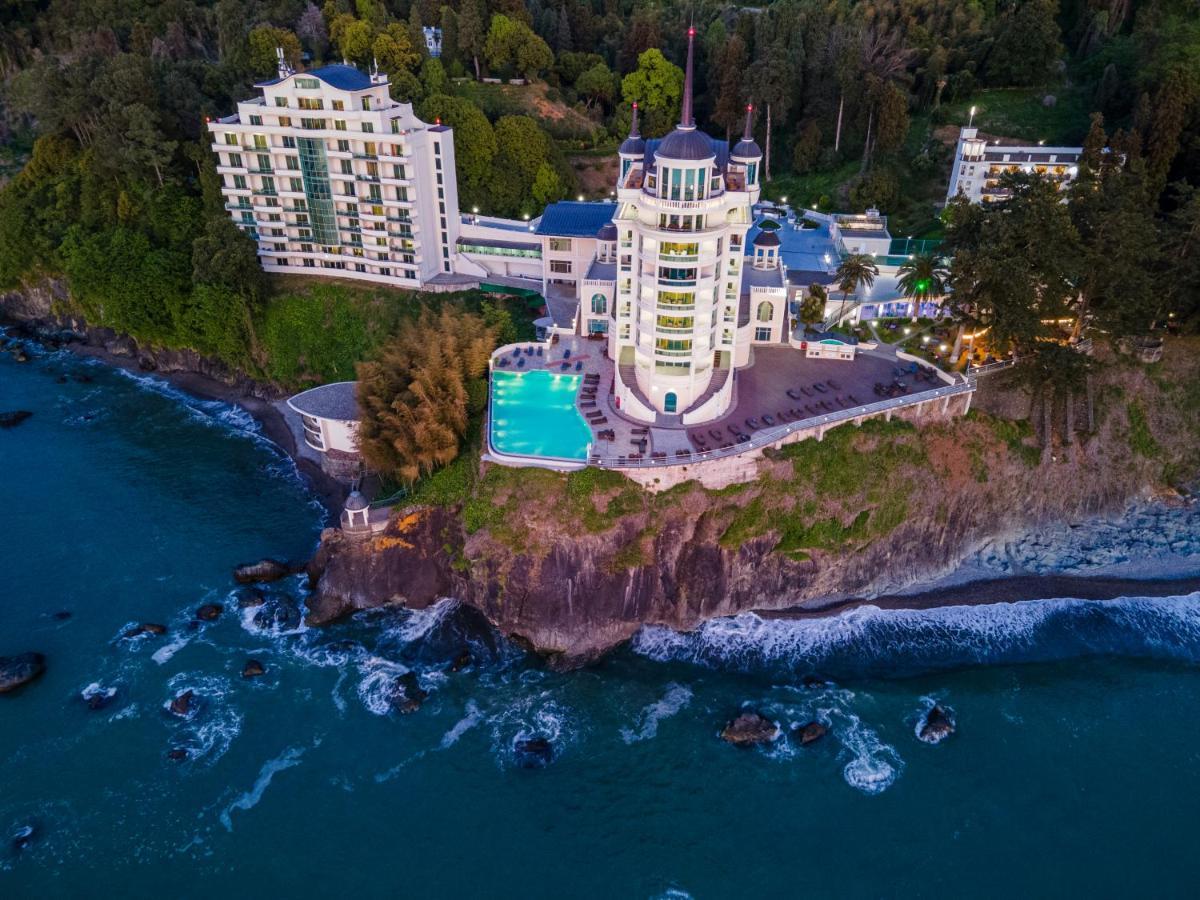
(109, 181)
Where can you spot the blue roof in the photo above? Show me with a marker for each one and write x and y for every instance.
(570, 218)
(720, 149)
(344, 78)
(801, 249)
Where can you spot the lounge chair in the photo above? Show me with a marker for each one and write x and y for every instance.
(565, 366)
(600, 421)
(820, 389)
(770, 420)
(743, 438)
(716, 434)
(521, 363)
(579, 366)
(806, 392)
(539, 351)
(833, 384)
(734, 430)
(852, 399)
(658, 454)
(517, 352)
(811, 410)
(503, 361)
(683, 453)
(793, 394)
(529, 351)
(567, 353)
(752, 423)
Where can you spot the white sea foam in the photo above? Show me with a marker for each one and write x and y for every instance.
(949, 635)
(208, 731)
(377, 686)
(420, 622)
(676, 698)
(875, 765)
(463, 725)
(250, 799)
(177, 643)
(534, 715)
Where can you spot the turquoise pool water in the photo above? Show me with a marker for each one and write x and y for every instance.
(534, 414)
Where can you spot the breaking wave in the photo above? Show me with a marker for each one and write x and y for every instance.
(676, 698)
(869, 641)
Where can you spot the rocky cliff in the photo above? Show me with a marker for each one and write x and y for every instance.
(573, 565)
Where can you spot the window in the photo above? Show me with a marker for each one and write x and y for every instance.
(264, 162)
(368, 127)
(599, 304)
(339, 124)
(296, 186)
(239, 182)
(762, 334)
(231, 139)
(367, 103)
(560, 244)
(308, 84)
(281, 101)
(289, 142)
(235, 160)
(311, 103)
(339, 105)
(346, 167)
(561, 266)
(766, 312)
(256, 120)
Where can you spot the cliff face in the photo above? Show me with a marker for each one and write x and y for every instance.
(42, 311)
(574, 565)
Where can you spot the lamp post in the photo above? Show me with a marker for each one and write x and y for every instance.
(971, 121)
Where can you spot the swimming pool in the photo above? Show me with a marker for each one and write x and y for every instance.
(534, 414)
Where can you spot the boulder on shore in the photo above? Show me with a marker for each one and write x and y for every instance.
(183, 704)
(209, 611)
(533, 752)
(253, 669)
(407, 694)
(749, 729)
(811, 732)
(14, 418)
(20, 669)
(263, 570)
(936, 726)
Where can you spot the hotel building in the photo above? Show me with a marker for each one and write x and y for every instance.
(332, 177)
(978, 166)
(689, 296)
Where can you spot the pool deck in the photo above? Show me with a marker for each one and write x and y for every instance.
(761, 389)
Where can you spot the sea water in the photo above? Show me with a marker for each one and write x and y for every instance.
(1074, 769)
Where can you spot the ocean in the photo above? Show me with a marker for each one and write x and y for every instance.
(1073, 769)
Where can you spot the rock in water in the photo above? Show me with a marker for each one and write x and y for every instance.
(263, 570)
(749, 729)
(811, 732)
(20, 669)
(279, 613)
(14, 418)
(62, 615)
(250, 596)
(23, 837)
(209, 611)
(407, 695)
(97, 697)
(184, 703)
(937, 725)
(461, 661)
(533, 752)
(177, 754)
(253, 669)
(145, 628)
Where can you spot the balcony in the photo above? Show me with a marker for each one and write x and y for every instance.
(267, 171)
(373, 179)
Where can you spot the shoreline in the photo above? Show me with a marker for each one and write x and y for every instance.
(1005, 589)
(328, 491)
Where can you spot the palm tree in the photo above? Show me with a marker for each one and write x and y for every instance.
(922, 276)
(853, 272)
(812, 309)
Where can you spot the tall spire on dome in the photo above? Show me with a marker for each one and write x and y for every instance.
(686, 120)
(633, 128)
(748, 134)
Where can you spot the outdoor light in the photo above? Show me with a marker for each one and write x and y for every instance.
(475, 209)
(783, 199)
(581, 198)
(907, 330)
(943, 348)
(526, 216)
(925, 339)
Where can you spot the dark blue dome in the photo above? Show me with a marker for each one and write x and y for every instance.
(745, 149)
(686, 144)
(633, 146)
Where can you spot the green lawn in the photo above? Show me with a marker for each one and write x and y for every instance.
(1019, 113)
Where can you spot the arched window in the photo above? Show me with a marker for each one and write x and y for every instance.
(766, 312)
(599, 304)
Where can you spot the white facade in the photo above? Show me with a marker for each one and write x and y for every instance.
(978, 165)
(332, 177)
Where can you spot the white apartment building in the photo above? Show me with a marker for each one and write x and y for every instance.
(332, 177)
(689, 297)
(978, 165)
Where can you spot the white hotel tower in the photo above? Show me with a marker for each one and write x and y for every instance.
(684, 281)
(332, 177)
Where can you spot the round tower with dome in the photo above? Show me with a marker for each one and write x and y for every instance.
(681, 325)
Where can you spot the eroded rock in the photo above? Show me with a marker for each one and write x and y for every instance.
(811, 732)
(209, 611)
(183, 704)
(253, 669)
(14, 418)
(937, 725)
(19, 670)
(263, 570)
(407, 694)
(535, 752)
(749, 729)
